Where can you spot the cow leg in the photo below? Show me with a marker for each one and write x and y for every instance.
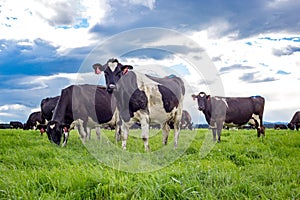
(81, 130)
(124, 135)
(145, 130)
(118, 133)
(66, 136)
(214, 132)
(98, 132)
(219, 130)
(220, 124)
(165, 132)
(88, 133)
(176, 133)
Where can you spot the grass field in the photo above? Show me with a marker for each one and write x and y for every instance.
(240, 167)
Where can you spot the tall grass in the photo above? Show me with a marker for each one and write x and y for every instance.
(240, 167)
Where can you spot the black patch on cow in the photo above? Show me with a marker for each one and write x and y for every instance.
(169, 99)
(138, 101)
(172, 82)
(129, 97)
(47, 107)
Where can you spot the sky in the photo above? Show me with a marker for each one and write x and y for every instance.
(245, 48)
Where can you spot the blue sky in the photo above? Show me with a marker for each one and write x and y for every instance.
(253, 45)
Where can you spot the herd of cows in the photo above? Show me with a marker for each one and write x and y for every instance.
(134, 99)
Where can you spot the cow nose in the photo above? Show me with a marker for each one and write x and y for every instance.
(112, 86)
(200, 108)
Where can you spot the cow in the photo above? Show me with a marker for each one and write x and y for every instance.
(145, 99)
(16, 124)
(295, 121)
(186, 120)
(47, 107)
(5, 126)
(87, 106)
(34, 120)
(280, 126)
(229, 111)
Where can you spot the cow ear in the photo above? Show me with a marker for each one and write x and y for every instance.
(125, 66)
(208, 97)
(194, 97)
(64, 126)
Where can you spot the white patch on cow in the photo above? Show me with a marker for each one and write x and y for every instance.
(52, 126)
(112, 65)
(256, 117)
(222, 99)
(230, 124)
(214, 125)
(66, 138)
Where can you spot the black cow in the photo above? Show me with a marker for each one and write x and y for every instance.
(47, 107)
(145, 99)
(231, 111)
(5, 126)
(280, 126)
(295, 121)
(34, 120)
(186, 120)
(16, 124)
(86, 105)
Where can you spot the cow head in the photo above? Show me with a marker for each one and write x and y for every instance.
(113, 70)
(53, 132)
(42, 128)
(202, 99)
(291, 126)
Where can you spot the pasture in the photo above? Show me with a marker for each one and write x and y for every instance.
(240, 167)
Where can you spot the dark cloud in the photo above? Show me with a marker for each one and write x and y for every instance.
(216, 59)
(40, 58)
(234, 67)
(66, 14)
(145, 53)
(246, 18)
(289, 50)
(251, 78)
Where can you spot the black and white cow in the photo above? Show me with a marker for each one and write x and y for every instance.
(295, 121)
(47, 107)
(87, 106)
(280, 126)
(145, 99)
(34, 120)
(16, 124)
(231, 111)
(186, 120)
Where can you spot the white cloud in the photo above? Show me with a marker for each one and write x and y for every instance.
(257, 52)
(56, 21)
(146, 3)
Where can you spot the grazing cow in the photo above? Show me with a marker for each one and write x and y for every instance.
(280, 126)
(85, 105)
(47, 107)
(145, 99)
(295, 121)
(231, 111)
(34, 120)
(16, 124)
(5, 126)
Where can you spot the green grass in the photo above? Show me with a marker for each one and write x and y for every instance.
(240, 167)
